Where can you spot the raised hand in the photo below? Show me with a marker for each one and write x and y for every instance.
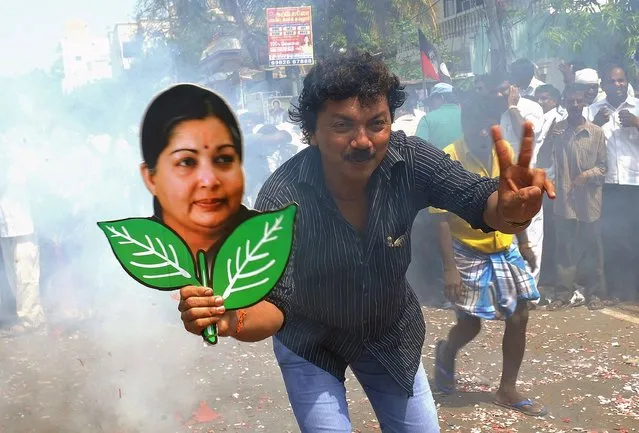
(628, 120)
(521, 188)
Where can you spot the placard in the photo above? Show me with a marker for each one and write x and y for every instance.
(290, 36)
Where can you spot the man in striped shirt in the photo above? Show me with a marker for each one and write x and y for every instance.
(344, 299)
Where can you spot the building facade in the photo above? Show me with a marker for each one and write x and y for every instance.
(85, 58)
(464, 26)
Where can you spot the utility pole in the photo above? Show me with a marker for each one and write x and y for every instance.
(498, 51)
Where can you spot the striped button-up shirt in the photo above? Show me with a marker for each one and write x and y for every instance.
(343, 291)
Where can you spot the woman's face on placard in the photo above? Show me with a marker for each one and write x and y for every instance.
(198, 179)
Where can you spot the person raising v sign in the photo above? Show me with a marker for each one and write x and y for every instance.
(359, 186)
(520, 194)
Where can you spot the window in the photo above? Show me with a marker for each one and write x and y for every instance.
(449, 8)
(464, 5)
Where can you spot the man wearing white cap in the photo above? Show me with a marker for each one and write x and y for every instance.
(442, 125)
(589, 78)
(595, 92)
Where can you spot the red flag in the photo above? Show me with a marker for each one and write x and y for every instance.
(429, 55)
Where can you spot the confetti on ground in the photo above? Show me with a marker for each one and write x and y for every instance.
(167, 382)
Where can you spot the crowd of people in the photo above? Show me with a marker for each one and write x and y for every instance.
(579, 248)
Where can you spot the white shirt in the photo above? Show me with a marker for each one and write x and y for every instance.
(555, 115)
(530, 111)
(407, 123)
(622, 143)
(295, 134)
(601, 95)
(15, 209)
(530, 90)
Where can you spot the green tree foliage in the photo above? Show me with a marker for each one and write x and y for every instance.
(186, 25)
(380, 26)
(586, 26)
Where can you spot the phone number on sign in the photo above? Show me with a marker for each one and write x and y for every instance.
(291, 62)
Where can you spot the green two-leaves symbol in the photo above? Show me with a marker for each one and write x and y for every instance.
(254, 257)
(151, 253)
(247, 267)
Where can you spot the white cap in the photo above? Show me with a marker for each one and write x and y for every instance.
(441, 88)
(586, 76)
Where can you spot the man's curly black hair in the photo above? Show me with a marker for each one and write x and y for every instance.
(343, 76)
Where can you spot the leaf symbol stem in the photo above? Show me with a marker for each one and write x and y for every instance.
(251, 256)
(147, 250)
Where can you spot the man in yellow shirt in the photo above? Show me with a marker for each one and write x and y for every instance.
(484, 273)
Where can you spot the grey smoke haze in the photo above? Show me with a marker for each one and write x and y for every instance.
(30, 31)
(134, 375)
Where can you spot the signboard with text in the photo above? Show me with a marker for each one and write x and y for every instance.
(290, 36)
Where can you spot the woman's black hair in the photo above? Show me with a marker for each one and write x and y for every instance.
(177, 104)
(343, 76)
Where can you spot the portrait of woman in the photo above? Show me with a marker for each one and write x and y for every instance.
(192, 150)
(192, 165)
(306, 45)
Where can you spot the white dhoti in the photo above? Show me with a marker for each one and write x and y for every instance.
(21, 257)
(535, 233)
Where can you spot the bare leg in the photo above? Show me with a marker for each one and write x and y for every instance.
(459, 335)
(513, 348)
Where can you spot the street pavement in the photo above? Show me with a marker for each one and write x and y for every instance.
(138, 371)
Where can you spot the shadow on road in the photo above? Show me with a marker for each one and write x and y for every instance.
(461, 399)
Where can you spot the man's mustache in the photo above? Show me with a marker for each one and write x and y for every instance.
(359, 155)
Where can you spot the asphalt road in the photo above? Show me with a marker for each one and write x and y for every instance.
(136, 370)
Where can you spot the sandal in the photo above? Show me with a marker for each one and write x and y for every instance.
(525, 407)
(444, 379)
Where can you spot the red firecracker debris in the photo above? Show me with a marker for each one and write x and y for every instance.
(205, 414)
(566, 420)
(178, 417)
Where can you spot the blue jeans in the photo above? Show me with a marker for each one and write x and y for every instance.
(319, 399)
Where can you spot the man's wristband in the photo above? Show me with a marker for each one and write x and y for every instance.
(516, 224)
(525, 245)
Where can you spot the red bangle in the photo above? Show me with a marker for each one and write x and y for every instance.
(241, 314)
